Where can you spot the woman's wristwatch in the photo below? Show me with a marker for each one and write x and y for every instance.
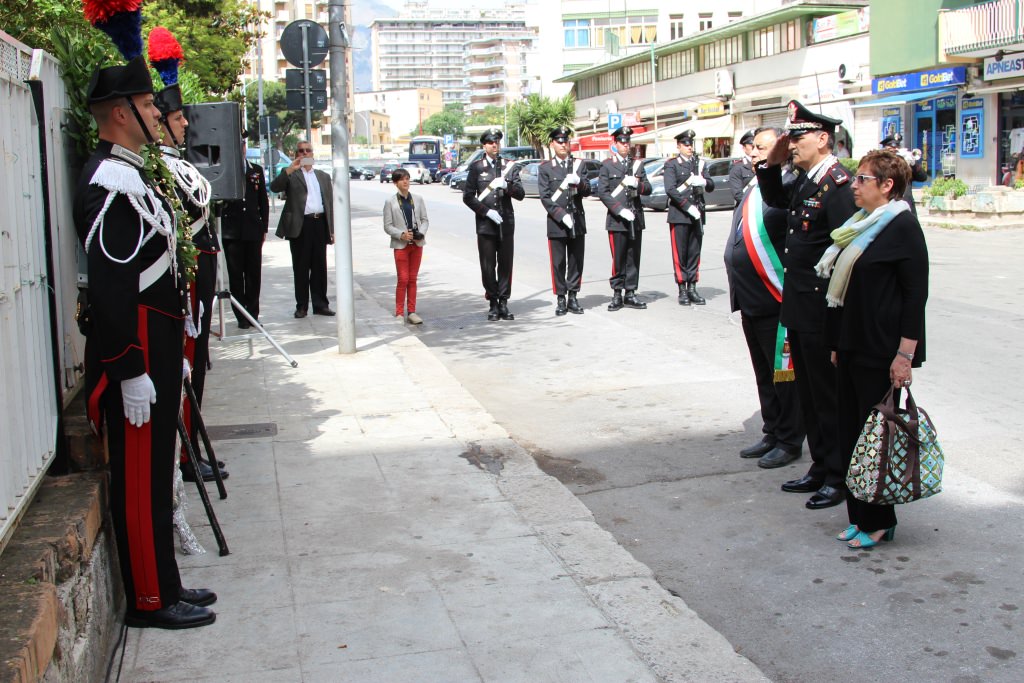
(904, 354)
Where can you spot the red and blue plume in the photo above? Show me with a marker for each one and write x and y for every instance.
(119, 19)
(165, 54)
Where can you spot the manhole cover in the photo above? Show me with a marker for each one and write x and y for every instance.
(256, 430)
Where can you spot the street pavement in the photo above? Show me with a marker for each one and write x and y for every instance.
(383, 527)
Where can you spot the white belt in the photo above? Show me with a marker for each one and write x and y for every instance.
(154, 271)
(198, 225)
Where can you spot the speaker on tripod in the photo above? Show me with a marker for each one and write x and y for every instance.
(213, 145)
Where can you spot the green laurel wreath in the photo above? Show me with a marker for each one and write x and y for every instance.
(159, 172)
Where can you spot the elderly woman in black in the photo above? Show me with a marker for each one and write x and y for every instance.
(878, 285)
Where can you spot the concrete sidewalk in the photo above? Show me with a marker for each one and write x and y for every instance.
(383, 527)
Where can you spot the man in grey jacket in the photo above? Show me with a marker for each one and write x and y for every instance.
(307, 222)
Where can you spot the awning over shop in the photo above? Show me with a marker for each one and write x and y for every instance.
(720, 127)
(904, 98)
(596, 141)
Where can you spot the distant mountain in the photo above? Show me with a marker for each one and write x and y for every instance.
(363, 13)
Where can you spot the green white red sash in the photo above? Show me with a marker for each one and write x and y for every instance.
(769, 269)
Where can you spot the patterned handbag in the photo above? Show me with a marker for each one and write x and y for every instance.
(897, 458)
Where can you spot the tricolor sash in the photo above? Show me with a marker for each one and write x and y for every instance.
(769, 269)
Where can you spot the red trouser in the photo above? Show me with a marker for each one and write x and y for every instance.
(407, 263)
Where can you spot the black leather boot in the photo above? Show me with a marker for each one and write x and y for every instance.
(503, 311)
(616, 303)
(691, 292)
(188, 473)
(179, 615)
(631, 301)
(574, 306)
(560, 308)
(492, 314)
(684, 297)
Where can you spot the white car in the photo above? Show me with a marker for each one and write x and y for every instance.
(418, 172)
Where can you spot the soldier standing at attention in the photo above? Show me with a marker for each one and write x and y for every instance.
(742, 170)
(491, 186)
(561, 193)
(820, 200)
(686, 180)
(621, 182)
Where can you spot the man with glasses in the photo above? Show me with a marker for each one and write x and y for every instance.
(307, 222)
(820, 200)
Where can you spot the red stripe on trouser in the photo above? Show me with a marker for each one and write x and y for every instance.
(92, 407)
(138, 458)
(611, 245)
(551, 260)
(675, 254)
(190, 355)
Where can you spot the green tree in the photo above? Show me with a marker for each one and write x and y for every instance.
(450, 120)
(492, 115)
(535, 116)
(291, 124)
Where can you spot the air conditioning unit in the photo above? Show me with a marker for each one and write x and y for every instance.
(593, 114)
(847, 75)
(723, 84)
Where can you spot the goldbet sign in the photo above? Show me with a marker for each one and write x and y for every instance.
(920, 80)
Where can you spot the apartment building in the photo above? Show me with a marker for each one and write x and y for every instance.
(405, 109)
(497, 71)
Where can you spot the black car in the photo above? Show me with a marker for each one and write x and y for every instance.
(360, 173)
(387, 170)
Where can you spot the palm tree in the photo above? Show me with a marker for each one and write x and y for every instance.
(535, 117)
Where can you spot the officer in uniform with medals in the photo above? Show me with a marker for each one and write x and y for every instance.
(686, 181)
(561, 193)
(620, 183)
(135, 328)
(491, 185)
(820, 200)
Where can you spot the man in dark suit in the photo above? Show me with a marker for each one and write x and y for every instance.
(244, 225)
(686, 181)
(491, 185)
(561, 193)
(742, 170)
(755, 290)
(620, 183)
(819, 201)
(307, 222)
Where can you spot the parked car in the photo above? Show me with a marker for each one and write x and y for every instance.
(418, 172)
(719, 198)
(458, 179)
(386, 169)
(528, 176)
(360, 173)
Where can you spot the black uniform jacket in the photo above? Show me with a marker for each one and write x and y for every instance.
(747, 292)
(202, 236)
(740, 174)
(613, 170)
(114, 295)
(885, 298)
(677, 171)
(481, 173)
(248, 218)
(549, 181)
(814, 210)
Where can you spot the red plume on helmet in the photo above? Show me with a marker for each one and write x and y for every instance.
(119, 19)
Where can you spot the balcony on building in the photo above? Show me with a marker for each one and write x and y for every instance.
(979, 30)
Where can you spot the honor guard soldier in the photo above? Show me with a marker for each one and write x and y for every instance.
(193, 191)
(816, 203)
(686, 180)
(621, 181)
(135, 331)
(561, 193)
(742, 170)
(491, 185)
(913, 159)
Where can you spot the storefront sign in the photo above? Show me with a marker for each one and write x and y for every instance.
(840, 25)
(710, 110)
(972, 103)
(972, 126)
(891, 111)
(1010, 66)
(921, 80)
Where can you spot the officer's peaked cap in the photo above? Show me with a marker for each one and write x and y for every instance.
(561, 133)
(622, 134)
(686, 137)
(803, 120)
(894, 140)
(491, 135)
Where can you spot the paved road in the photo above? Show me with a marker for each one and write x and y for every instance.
(641, 413)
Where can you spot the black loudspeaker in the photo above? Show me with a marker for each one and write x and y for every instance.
(213, 144)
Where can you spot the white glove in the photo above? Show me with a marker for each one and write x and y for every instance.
(186, 369)
(572, 179)
(697, 180)
(498, 184)
(567, 219)
(495, 216)
(694, 211)
(627, 214)
(137, 393)
(630, 181)
(906, 155)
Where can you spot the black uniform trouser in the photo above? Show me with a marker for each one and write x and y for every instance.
(309, 263)
(496, 263)
(686, 239)
(780, 402)
(566, 263)
(197, 350)
(860, 388)
(816, 383)
(142, 461)
(245, 262)
(625, 260)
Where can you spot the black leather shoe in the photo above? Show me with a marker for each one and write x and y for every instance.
(188, 474)
(826, 497)
(492, 313)
(244, 324)
(631, 301)
(758, 449)
(323, 311)
(200, 597)
(503, 311)
(574, 306)
(684, 297)
(560, 307)
(691, 293)
(179, 615)
(777, 457)
(805, 484)
(616, 303)
(300, 312)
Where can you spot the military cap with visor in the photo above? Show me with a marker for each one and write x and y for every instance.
(748, 138)
(561, 134)
(622, 134)
(803, 120)
(686, 137)
(894, 140)
(491, 135)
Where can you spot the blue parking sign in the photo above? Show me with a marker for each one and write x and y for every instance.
(614, 122)
(449, 139)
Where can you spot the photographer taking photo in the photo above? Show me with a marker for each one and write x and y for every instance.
(405, 220)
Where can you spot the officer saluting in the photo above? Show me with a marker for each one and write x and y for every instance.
(621, 181)
(491, 185)
(561, 193)
(686, 180)
(816, 203)
(134, 344)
